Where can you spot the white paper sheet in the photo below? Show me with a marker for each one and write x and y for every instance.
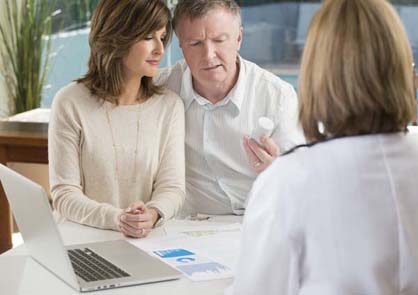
(211, 243)
(195, 267)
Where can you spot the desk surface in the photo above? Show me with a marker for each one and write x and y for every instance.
(22, 275)
(23, 133)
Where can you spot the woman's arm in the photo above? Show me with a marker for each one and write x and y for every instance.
(65, 140)
(169, 187)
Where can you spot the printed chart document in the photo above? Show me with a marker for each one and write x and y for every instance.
(200, 250)
(195, 267)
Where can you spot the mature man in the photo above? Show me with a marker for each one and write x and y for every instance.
(224, 96)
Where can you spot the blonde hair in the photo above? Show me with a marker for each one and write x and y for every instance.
(116, 25)
(356, 73)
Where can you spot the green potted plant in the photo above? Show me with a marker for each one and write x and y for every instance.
(25, 44)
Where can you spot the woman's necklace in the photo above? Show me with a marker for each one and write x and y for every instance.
(117, 170)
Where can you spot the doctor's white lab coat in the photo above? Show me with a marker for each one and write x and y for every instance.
(338, 218)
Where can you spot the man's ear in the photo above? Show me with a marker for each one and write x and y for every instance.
(240, 37)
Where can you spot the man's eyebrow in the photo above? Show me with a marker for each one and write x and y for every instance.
(194, 38)
(223, 35)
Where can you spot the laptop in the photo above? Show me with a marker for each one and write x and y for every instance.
(86, 267)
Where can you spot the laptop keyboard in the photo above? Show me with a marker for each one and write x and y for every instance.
(92, 267)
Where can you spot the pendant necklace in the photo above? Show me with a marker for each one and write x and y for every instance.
(117, 169)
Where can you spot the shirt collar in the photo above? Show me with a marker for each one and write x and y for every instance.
(234, 97)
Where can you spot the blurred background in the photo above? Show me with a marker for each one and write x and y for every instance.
(274, 37)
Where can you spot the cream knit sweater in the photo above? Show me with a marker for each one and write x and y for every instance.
(87, 185)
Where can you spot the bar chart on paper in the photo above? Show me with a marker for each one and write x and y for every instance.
(203, 269)
(195, 267)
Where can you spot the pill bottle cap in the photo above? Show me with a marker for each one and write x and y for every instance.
(265, 124)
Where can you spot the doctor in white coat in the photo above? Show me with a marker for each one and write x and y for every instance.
(340, 216)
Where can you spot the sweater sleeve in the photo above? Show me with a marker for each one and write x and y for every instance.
(169, 186)
(65, 140)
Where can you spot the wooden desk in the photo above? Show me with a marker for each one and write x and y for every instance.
(19, 142)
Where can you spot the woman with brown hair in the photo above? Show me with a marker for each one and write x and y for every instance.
(116, 140)
(341, 216)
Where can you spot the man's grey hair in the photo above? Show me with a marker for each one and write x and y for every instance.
(192, 9)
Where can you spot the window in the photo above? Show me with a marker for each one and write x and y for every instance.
(281, 27)
(74, 14)
(274, 37)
